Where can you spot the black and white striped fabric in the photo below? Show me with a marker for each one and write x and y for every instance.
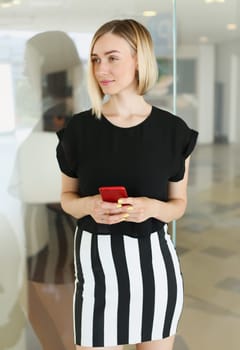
(127, 290)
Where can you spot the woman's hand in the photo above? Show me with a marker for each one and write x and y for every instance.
(105, 212)
(137, 209)
(127, 209)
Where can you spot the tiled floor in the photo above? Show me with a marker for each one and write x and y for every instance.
(35, 301)
(208, 244)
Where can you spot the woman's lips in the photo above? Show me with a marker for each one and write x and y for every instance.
(106, 82)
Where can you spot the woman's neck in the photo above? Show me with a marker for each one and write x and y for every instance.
(126, 106)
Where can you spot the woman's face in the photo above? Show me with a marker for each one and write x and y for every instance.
(114, 64)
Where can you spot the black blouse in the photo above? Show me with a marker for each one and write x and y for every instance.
(143, 158)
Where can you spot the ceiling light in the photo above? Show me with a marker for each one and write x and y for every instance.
(9, 3)
(149, 13)
(231, 26)
(203, 39)
(212, 1)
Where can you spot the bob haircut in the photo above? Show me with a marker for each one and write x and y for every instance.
(139, 39)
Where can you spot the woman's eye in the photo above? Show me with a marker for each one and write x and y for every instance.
(113, 58)
(96, 60)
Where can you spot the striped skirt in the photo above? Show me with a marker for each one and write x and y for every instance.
(127, 290)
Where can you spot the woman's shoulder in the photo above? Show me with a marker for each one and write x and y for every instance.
(82, 117)
(82, 120)
(166, 117)
(77, 124)
(171, 122)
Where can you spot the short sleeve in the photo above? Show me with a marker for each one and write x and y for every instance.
(66, 151)
(185, 142)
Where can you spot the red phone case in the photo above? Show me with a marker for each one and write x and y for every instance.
(113, 193)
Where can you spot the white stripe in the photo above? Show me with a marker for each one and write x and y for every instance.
(136, 289)
(110, 315)
(179, 301)
(161, 288)
(74, 294)
(88, 289)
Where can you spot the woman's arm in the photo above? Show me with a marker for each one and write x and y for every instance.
(177, 203)
(70, 200)
(78, 207)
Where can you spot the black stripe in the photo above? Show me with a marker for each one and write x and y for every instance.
(171, 281)
(145, 252)
(119, 258)
(78, 289)
(99, 294)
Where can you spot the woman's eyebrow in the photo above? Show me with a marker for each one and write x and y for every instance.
(106, 53)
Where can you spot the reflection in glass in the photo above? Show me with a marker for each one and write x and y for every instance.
(49, 91)
(7, 122)
(55, 76)
(50, 253)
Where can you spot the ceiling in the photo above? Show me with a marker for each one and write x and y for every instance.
(195, 18)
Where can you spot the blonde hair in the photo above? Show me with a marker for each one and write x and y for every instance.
(139, 39)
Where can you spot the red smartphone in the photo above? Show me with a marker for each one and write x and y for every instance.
(113, 193)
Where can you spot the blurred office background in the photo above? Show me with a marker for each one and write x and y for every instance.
(43, 52)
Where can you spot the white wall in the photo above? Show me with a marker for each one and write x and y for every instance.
(205, 85)
(203, 100)
(187, 51)
(225, 66)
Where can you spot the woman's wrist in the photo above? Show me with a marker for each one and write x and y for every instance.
(157, 209)
(85, 205)
(77, 206)
(89, 204)
(168, 211)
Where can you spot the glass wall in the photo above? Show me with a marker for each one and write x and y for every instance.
(208, 41)
(43, 82)
(43, 55)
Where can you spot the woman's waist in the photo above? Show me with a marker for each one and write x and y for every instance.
(132, 229)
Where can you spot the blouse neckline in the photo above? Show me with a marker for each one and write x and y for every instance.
(143, 122)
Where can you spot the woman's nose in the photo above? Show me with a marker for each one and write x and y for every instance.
(102, 68)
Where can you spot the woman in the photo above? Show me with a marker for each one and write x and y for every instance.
(128, 282)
